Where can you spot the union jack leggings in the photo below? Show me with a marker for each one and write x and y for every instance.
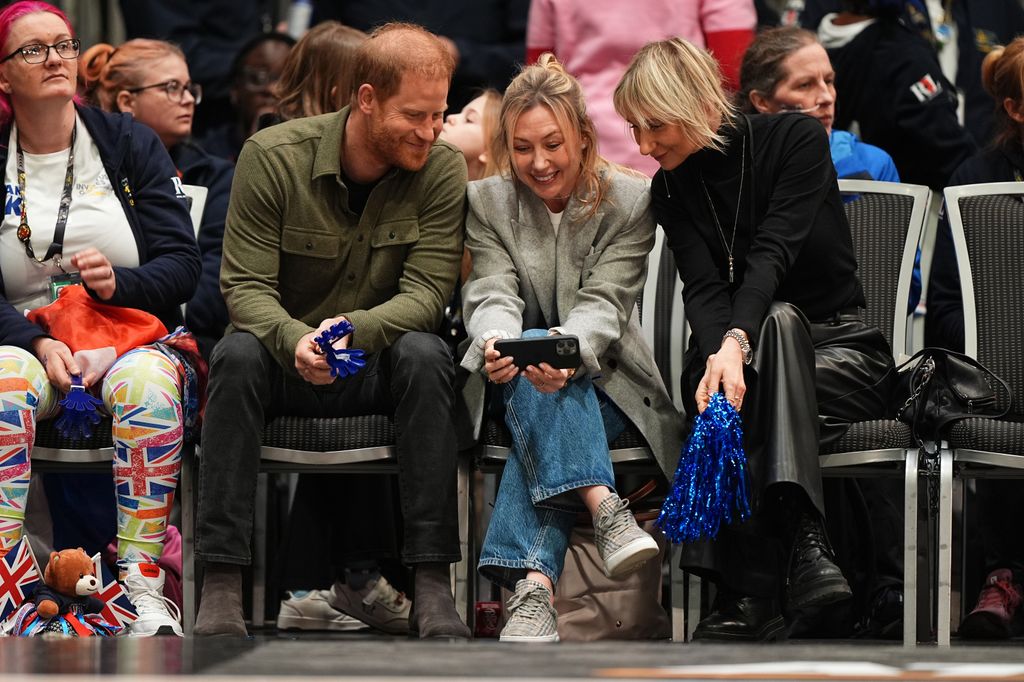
(142, 392)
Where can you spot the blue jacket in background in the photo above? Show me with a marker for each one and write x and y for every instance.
(858, 160)
(145, 179)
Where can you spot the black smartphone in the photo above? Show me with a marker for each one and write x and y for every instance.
(561, 352)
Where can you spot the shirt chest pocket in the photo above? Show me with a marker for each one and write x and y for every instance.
(389, 246)
(299, 242)
(309, 257)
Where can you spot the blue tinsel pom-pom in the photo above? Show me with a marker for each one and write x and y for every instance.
(80, 413)
(710, 487)
(344, 361)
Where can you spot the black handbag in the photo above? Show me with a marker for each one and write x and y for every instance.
(936, 387)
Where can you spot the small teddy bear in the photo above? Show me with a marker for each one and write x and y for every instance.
(69, 583)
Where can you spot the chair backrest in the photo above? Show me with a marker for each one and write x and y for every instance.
(987, 222)
(661, 315)
(886, 221)
(196, 203)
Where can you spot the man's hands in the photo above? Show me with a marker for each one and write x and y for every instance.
(724, 368)
(310, 363)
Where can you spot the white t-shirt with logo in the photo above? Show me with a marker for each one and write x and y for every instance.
(96, 218)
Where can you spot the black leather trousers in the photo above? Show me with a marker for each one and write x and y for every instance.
(808, 382)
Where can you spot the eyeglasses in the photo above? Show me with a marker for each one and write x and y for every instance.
(38, 53)
(175, 91)
(257, 79)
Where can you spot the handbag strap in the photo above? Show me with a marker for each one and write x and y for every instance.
(927, 369)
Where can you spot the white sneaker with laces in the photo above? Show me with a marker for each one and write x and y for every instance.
(158, 615)
(310, 610)
(379, 605)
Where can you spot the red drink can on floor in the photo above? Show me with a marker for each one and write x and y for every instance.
(488, 619)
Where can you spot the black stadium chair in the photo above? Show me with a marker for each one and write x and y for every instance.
(987, 222)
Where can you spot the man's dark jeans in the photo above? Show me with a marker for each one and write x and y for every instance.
(411, 380)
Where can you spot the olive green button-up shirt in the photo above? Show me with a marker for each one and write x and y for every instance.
(295, 255)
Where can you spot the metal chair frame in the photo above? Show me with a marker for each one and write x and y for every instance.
(958, 464)
(381, 459)
(894, 461)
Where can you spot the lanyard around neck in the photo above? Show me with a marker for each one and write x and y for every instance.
(56, 247)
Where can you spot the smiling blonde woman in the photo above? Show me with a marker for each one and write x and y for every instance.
(559, 241)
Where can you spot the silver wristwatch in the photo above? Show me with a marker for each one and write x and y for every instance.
(741, 338)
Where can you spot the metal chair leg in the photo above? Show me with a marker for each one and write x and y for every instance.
(910, 478)
(945, 543)
(463, 570)
(188, 539)
(695, 594)
(677, 595)
(259, 558)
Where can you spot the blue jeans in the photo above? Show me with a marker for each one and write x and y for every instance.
(559, 444)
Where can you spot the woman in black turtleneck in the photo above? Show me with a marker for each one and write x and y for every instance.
(752, 212)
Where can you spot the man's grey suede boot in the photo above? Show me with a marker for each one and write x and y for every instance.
(433, 609)
(220, 609)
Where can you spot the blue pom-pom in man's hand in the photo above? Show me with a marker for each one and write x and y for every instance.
(343, 361)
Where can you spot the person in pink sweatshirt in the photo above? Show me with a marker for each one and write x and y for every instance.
(595, 39)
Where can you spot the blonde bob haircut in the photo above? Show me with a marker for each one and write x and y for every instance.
(548, 84)
(675, 82)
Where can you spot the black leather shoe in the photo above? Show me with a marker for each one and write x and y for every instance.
(885, 615)
(738, 618)
(814, 579)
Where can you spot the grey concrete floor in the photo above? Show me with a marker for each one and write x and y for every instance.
(284, 657)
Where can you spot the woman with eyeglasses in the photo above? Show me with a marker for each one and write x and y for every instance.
(150, 80)
(90, 197)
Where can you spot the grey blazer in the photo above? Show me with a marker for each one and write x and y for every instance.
(588, 279)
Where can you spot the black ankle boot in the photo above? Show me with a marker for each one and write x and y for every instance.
(735, 617)
(814, 579)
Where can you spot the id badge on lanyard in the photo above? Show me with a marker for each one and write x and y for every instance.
(59, 281)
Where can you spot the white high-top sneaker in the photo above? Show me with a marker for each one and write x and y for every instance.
(158, 615)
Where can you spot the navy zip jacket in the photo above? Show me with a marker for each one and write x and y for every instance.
(888, 79)
(145, 180)
(206, 314)
(944, 323)
(981, 24)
